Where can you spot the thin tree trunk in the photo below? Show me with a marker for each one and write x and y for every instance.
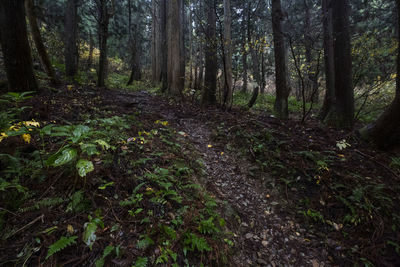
(228, 54)
(282, 90)
(253, 52)
(244, 51)
(103, 36)
(37, 38)
(329, 59)
(91, 49)
(210, 81)
(164, 54)
(342, 114)
(71, 35)
(15, 47)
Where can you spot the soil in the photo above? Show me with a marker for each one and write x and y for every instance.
(261, 210)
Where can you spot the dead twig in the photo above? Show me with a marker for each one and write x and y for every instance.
(41, 217)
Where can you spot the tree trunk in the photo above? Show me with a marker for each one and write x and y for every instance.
(282, 90)
(136, 72)
(228, 53)
(71, 34)
(37, 38)
(342, 113)
(253, 52)
(210, 80)
(15, 46)
(164, 53)
(328, 58)
(104, 18)
(157, 48)
(244, 51)
(385, 132)
(174, 41)
(91, 49)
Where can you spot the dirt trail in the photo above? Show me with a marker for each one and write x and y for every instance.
(266, 233)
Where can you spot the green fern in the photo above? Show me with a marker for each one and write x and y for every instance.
(192, 242)
(62, 243)
(47, 202)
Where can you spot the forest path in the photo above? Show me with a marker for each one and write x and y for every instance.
(265, 232)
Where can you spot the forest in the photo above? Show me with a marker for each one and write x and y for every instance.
(199, 133)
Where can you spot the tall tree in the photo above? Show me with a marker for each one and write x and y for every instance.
(385, 132)
(210, 80)
(163, 41)
(282, 89)
(37, 38)
(15, 46)
(156, 49)
(244, 49)
(328, 58)
(104, 15)
(174, 40)
(342, 112)
(227, 98)
(71, 35)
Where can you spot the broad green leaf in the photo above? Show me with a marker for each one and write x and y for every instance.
(89, 149)
(78, 132)
(62, 157)
(89, 236)
(84, 167)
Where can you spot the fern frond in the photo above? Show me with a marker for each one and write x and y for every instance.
(59, 245)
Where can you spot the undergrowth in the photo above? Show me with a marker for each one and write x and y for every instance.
(115, 187)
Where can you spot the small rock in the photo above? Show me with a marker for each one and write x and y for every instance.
(264, 243)
(245, 224)
(315, 263)
(249, 235)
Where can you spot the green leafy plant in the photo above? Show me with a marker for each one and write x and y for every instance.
(89, 235)
(140, 262)
(61, 244)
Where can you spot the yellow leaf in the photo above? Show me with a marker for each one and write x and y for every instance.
(27, 138)
(3, 136)
(70, 87)
(70, 229)
(31, 123)
(209, 146)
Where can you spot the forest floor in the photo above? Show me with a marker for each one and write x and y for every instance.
(271, 193)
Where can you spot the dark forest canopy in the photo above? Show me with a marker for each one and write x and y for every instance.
(304, 92)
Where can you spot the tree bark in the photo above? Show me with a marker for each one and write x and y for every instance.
(37, 38)
(210, 80)
(342, 113)
(136, 72)
(174, 41)
(104, 18)
(71, 35)
(164, 53)
(244, 51)
(15, 46)
(328, 58)
(282, 90)
(228, 53)
(91, 49)
(253, 52)
(156, 55)
(385, 132)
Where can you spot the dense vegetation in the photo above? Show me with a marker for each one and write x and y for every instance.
(199, 133)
